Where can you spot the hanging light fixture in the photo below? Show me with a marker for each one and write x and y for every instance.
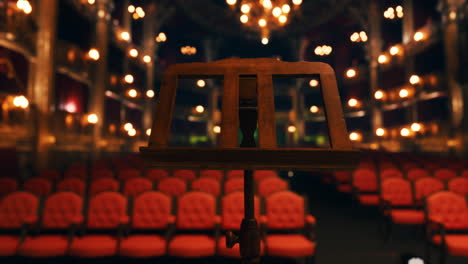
(264, 16)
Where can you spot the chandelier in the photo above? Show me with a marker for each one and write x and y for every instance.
(264, 16)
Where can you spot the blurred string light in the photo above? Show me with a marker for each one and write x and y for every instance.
(351, 73)
(147, 59)
(382, 59)
(132, 132)
(138, 12)
(217, 129)
(314, 109)
(313, 83)
(148, 132)
(201, 83)
(323, 50)
(161, 37)
(150, 93)
(392, 13)
(188, 50)
(418, 36)
(415, 79)
(264, 16)
(93, 54)
(128, 126)
(24, 6)
(129, 79)
(416, 127)
(355, 136)
(380, 132)
(91, 2)
(359, 37)
(353, 102)
(379, 95)
(124, 35)
(394, 50)
(292, 129)
(21, 102)
(403, 93)
(92, 119)
(405, 132)
(132, 93)
(133, 52)
(199, 109)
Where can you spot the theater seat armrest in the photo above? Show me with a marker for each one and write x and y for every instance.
(433, 228)
(310, 219)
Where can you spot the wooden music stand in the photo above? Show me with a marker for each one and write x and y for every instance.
(246, 82)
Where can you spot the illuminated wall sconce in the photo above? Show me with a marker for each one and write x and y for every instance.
(161, 37)
(201, 83)
(21, 102)
(132, 93)
(382, 59)
(355, 136)
(313, 83)
(147, 59)
(129, 79)
(379, 95)
(351, 73)
(150, 93)
(132, 132)
(380, 132)
(416, 127)
(92, 119)
(124, 35)
(24, 6)
(292, 129)
(359, 37)
(133, 53)
(419, 36)
(148, 132)
(415, 79)
(128, 126)
(199, 109)
(314, 109)
(395, 50)
(93, 54)
(217, 129)
(188, 50)
(403, 93)
(405, 132)
(323, 50)
(354, 103)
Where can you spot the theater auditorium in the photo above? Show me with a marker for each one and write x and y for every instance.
(234, 131)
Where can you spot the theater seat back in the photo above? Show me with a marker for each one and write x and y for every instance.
(106, 210)
(61, 210)
(285, 210)
(196, 211)
(16, 208)
(151, 210)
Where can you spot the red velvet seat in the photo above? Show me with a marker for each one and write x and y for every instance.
(424, 187)
(16, 209)
(156, 174)
(398, 202)
(7, 185)
(128, 174)
(270, 185)
(209, 185)
(285, 210)
(217, 174)
(290, 246)
(102, 173)
(263, 174)
(135, 186)
(234, 174)
(445, 174)
(172, 186)
(364, 183)
(75, 185)
(417, 173)
(234, 184)
(448, 216)
(106, 212)
(103, 185)
(151, 213)
(232, 213)
(458, 185)
(38, 186)
(389, 173)
(187, 175)
(196, 211)
(60, 211)
(50, 174)
(76, 174)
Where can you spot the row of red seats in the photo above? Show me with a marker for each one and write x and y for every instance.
(147, 228)
(154, 174)
(172, 186)
(445, 215)
(365, 176)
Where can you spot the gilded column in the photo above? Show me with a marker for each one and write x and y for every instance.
(101, 77)
(43, 95)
